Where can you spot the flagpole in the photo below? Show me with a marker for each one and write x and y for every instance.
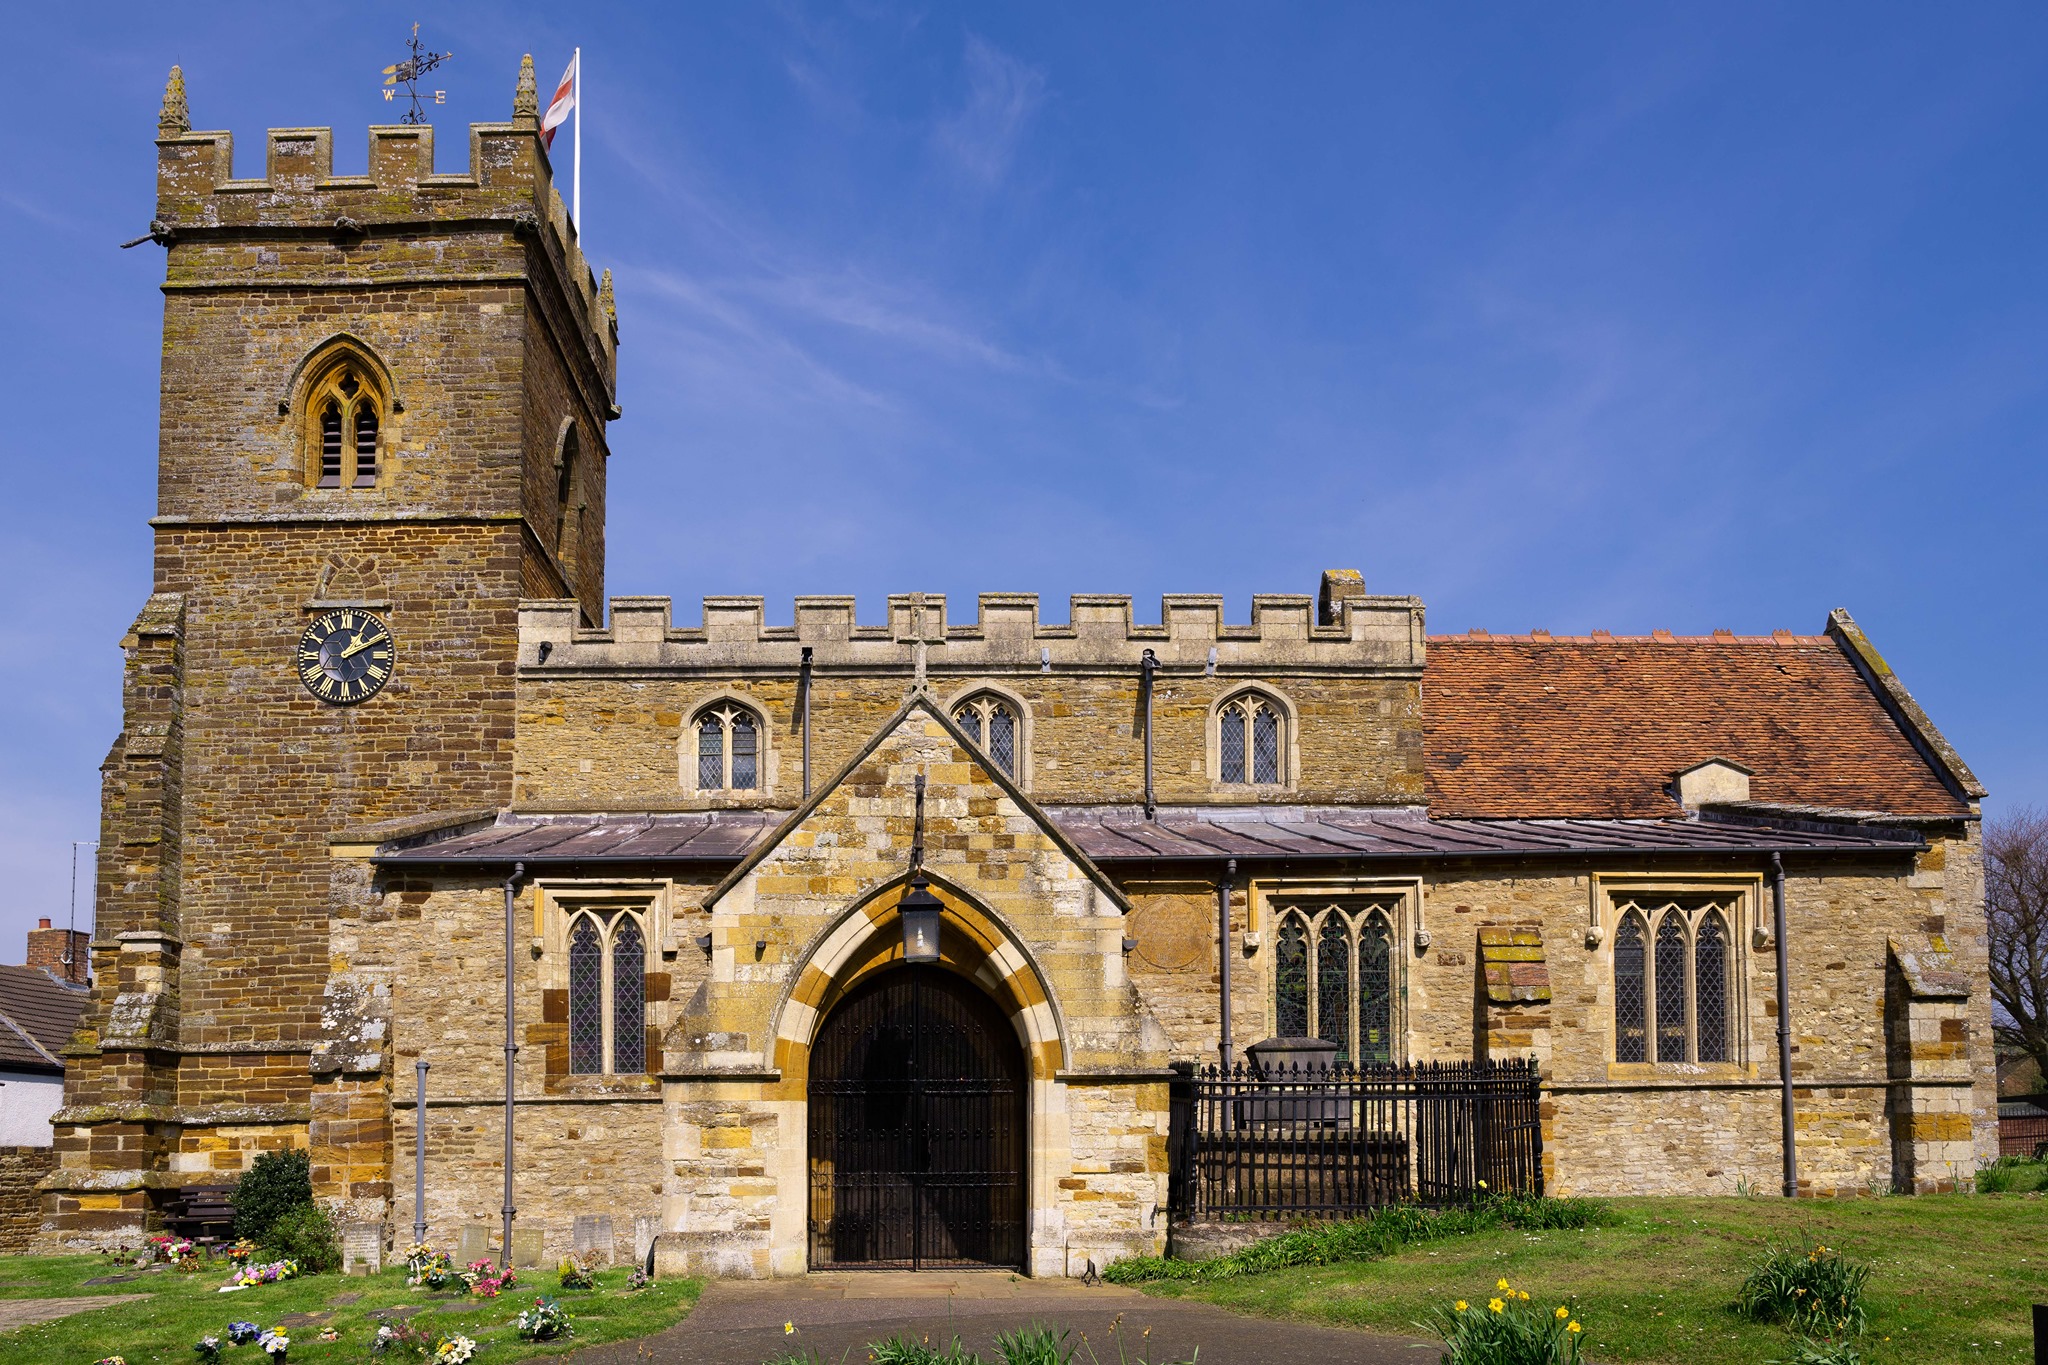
(576, 192)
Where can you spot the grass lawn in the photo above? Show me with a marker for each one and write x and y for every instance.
(184, 1306)
(1954, 1277)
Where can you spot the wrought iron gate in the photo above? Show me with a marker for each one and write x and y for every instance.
(916, 1099)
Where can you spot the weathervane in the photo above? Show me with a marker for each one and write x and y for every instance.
(407, 73)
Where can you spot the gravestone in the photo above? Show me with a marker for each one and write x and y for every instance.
(475, 1244)
(362, 1247)
(646, 1228)
(593, 1237)
(528, 1246)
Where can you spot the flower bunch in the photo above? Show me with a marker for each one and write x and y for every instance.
(177, 1251)
(427, 1268)
(544, 1321)
(274, 1343)
(638, 1280)
(241, 1249)
(484, 1284)
(1509, 1330)
(402, 1334)
(578, 1273)
(110, 1360)
(455, 1350)
(242, 1333)
(207, 1348)
(250, 1275)
(330, 1334)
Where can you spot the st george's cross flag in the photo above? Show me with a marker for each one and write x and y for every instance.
(564, 101)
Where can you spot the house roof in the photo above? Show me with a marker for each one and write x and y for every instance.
(38, 1015)
(1597, 726)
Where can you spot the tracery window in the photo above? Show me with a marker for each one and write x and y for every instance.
(1251, 739)
(607, 994)
(347, 418)
(728, 748)
(1672, 992)
(991, 722)
(1333, 977)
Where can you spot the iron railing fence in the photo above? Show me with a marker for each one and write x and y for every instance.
(1302, 1141)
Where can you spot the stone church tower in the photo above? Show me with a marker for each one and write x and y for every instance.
(384, 398)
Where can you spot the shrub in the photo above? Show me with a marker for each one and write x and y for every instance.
(274, 1185)
(902, 1350)
(1037, 1344)
(1509, 1329)
(307, 1236)
(2013, 1175)
(1817, 1292)
(1812, 1352)
(1371, 1238)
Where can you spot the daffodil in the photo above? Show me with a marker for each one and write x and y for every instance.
(788, 1327)
(1461, 1305)
(1496, 1305)
(1563, 1312)
(1502, 1286)
(1573, 1327)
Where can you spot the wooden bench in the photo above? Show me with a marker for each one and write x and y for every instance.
(201, 1213)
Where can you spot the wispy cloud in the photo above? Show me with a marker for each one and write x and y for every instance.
(1002, 94)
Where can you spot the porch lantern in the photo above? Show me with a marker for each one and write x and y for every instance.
(920, 910)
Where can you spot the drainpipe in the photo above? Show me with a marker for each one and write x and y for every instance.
(1148, 664)
(1223, 955)
(803, 687)
(419, 1151)
(1784, 1029)
(511, 1052)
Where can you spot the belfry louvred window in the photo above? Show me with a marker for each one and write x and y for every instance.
(1672, 989)
(991, 722)
(346, 430)
(607, 994)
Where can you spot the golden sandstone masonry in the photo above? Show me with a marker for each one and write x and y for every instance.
(384, 408)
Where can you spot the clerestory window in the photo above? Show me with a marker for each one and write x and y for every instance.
(1673, 980)
(347, 421)
(607, 994)
(1333, 978)
(1251, 740)
(728, 748)
(991, 722)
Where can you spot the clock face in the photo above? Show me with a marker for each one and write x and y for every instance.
(345, 656)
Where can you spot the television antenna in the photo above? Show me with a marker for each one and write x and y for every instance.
(408, 72)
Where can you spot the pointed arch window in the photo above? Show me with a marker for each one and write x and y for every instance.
(1251, 740)
(567, 508)
(1674, 987)
(346, 426)
(728, 748)
(607, 994)
(992, 723)
(1334, 977)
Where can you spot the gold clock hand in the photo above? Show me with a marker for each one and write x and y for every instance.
(362, 643)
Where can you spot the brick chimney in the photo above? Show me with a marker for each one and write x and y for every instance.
(46, 949)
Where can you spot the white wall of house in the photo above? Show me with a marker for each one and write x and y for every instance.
(26, 1102)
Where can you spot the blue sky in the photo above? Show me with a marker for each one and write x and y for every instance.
(1572, 316)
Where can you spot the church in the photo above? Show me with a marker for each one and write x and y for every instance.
(655, 930)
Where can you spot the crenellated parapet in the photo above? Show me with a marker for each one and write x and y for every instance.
(1004, 632)
(508, 184)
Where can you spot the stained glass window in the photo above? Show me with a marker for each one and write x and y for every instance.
(1375, 990)
(586, 998)
(1333, 983)
(1631, 1035)
(1290, 980)
(629, 999)
(1710, 988)
(1232, 744)
(1265, 744)
(711, 753)
(1670, 987)
(744, 747)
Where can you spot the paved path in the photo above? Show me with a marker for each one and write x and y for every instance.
(23, 1312)
(740, 1322)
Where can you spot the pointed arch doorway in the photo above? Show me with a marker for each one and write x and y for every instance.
(916, 1128)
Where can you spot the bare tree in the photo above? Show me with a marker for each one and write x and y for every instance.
(2016, 896)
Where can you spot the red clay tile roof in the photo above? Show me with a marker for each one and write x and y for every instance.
(1536, 725)
(38, 1014)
